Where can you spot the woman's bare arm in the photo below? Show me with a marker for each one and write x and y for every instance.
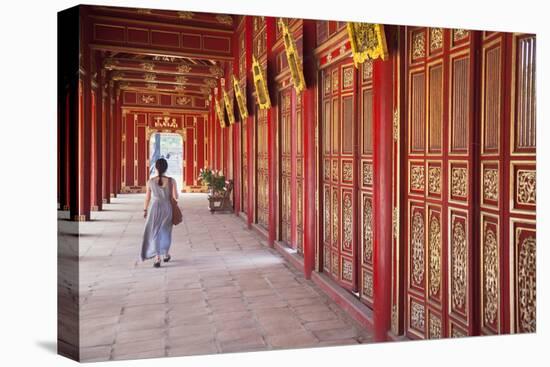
(174, 189)
(147, 200)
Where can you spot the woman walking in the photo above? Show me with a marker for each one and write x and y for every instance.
(157, 236)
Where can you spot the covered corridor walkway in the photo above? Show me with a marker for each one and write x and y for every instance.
(223, 291)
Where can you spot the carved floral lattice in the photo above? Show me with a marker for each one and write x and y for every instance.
(526, 187)
(335, 210)
(419, 45)
(327, 216)
(367, 174)
(367, 285)
(417, 316)
(417, 178)
(347, 270)
(459, 177)
(434, 256)
(490, 275)
(459, 260)
(527, 280)
(436, 38)
(367, 230)
(417, 243)
(434, 326)
(490, 184)
(347, 171)
(434, 180)
(347, 213)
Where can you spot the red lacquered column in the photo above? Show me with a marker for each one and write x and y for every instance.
(383, 139)
(271, 136)
(308, 100)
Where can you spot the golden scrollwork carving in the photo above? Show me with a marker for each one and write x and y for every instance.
(185, 14)
(327, 83)
(149, 66)
(395, 125)
(417, 178)
(229, 107)
(434, 180)
(434, 327)
(347, 78)
(150, 77)
(417, 316)
(367, 69)
(335, 210)
(335, 266)
(395, 222)
(326, 225)
(459, 34)
(262, 92)
(180, 79)
(241, 99)
(217, 71)
(436, 38)
(394, 320)
(183, 100)
(367, 230)
(183, 68)
(347, 171)
(326, 170)
(368, 285)
(225, 19)
(335, 83)
(418, 45)
(347, 270)
(459, 181)
(367, 174)
(459, 260)
(490, 275)
(367, 41)
(293, 58)
(490, 184)
(434, 256)
(148, 98)
(211, 83)
(417, 242)
(527, 280)
(526, 187)
(335, 170)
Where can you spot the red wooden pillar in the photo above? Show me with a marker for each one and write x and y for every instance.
(271, 136)
(110, 147)
(81, 210)
(236, 136)
(382, 139)
(95, 164)
(117, 140)
(249, 123)
(65, 200)
(308, 100)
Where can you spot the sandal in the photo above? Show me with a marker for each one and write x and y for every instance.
(157, 264)
(167, 258)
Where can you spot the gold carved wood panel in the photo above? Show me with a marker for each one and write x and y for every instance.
(285, 164)
(438, 175)
(262, 172)
(341, 174)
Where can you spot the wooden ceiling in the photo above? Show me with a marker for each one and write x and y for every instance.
(177, 52)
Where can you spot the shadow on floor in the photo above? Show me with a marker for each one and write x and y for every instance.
(48, 345)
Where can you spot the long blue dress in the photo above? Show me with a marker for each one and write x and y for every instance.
(157, 235)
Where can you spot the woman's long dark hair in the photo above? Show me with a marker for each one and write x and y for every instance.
(161, 165)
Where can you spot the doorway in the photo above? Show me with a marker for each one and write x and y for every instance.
(170, 147)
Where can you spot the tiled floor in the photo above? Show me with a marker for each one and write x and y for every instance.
(223, 291)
